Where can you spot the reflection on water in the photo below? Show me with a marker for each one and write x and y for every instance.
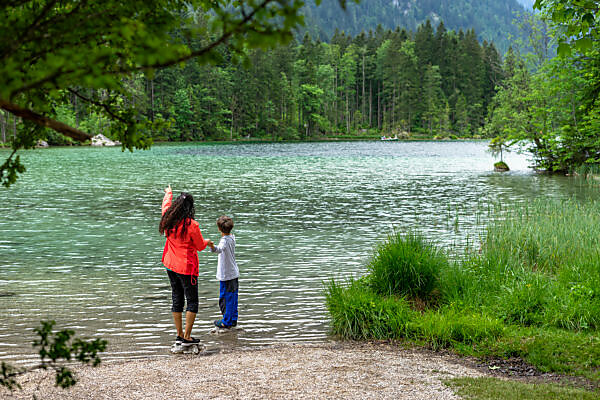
(79, 238)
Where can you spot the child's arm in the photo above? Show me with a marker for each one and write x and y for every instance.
(167, 200)
(218, 249)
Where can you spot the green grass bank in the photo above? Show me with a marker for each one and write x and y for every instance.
(532, 290)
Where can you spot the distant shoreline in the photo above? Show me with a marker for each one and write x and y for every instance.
(269, 141)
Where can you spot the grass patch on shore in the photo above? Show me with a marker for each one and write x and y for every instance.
(493, 389)
(531, 291)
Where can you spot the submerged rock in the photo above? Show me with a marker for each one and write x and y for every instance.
(501, 166)
(101, 140)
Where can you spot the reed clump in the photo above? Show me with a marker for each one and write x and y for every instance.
(532, 287)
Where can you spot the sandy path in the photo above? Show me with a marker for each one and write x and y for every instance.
(327, 371)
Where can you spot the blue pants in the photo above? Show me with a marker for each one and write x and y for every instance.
(228, 300)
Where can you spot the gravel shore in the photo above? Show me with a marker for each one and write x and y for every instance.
(323, 371)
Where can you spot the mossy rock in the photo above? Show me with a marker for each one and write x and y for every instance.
(501, 166)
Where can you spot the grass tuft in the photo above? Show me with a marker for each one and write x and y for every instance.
(406, 265)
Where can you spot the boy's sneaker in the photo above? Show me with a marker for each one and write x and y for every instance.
(191, 341)
(221, 324)
(179, 340)
(234, 323)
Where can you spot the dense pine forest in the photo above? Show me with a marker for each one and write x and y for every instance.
(492, 20)
(429, 82)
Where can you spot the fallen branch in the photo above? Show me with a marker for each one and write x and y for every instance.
(44, 121)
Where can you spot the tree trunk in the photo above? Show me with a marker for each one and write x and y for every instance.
(152, 100)
(370, 103)
(363, 89)
(393, 118)
(335, 96)
(76, 113)
(2, 126)
(379, 107)
(347, 115)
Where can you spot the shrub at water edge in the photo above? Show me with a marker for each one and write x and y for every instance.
(406, 265)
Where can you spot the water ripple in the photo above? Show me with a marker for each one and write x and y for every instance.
(79, 238)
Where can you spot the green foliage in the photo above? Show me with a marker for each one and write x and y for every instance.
(498, 147)
(359, 313)
(51, 51)
(578, 22)
(406, 265)
(494, 388)
(553, 112)
(548, 114)
(492, 20)
(531, 291)
(56, 349)
(10, 169)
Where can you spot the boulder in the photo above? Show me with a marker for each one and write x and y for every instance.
(101, 140)
(42, 143)
(501, 166)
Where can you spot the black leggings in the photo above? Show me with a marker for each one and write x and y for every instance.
(181, 285)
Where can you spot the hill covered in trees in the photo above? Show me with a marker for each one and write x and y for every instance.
(432, 82)
(491, 19)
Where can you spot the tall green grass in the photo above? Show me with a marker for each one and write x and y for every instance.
(406, 265)
(534, 283)
(540, 266)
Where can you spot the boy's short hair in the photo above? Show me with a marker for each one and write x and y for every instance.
(225, 224)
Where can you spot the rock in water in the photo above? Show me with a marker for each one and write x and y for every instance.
(101, 140)
(501, 166)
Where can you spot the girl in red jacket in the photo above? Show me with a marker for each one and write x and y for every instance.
(180, 258)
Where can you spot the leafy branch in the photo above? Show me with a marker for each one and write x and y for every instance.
(55, 350)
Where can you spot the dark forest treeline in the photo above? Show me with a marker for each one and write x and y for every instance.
(491, 19)
(430, 82)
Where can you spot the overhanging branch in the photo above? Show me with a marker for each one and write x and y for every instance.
(44, 121)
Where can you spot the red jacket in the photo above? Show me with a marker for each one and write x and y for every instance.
(181, 253)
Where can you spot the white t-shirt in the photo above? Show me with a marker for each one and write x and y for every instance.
(227, 268)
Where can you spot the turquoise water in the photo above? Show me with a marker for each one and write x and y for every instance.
(79, 238)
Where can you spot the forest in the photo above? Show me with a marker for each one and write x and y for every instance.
(431, 82)
(491, 19)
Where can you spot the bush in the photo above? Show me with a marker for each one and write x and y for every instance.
(406, 265)
(358, 313)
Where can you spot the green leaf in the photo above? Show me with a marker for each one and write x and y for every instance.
(563, 50)
(584, 44)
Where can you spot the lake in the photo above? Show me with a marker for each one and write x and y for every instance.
(79, 239)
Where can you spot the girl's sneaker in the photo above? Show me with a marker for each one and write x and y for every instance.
(178, 340)
(191, 341)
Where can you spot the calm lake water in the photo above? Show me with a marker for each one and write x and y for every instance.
(79, 238)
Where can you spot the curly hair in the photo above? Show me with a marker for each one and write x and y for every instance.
(225, 224)
(182, 209)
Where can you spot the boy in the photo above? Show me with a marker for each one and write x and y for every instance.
(227, 274)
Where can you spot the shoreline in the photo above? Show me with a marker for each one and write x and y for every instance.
(323, 371)
(267, 141)
(348, 370)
